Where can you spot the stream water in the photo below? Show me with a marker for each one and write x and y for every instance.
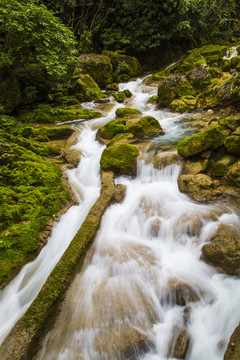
(143, 282)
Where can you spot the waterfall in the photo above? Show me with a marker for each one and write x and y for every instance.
(143, 282)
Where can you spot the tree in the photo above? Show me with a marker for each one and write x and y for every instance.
(31, 34)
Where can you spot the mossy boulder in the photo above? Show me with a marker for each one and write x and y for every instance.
(232, 144)
(223, 251)
(219, 167)
(199, 77)
(121, 159)
(126, 112)
(46, 113)
(119, 96)
(185, 103)
(112, 128)
(84, 88)
(231, 122)
(233, 174)
(145, 127)
(211, 138)
(124, 64)
(153, 99)
(112, 87)
(173, 87)
(98, 66)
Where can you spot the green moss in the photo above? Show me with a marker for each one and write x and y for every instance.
(45, 113)
(119, 96)
(235, 62)
(112, 128)
(125, 112)
(31, 191)
(124, 64)
(153, 99)
(185, 103)
(145, 127)
(121, 159)
(84, 88)
(232, 144)
(211, 138)
(118, 138)
(173, 87)
(99, 67)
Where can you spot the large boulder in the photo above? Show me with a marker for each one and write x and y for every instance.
(223, 251)
(124, 64)
(84, 88)
(126, 112)
(211, 138)
(145, 127)
(199, 77)
(199, 187)
(98, 66)
(121, 159)
(173, 87)
(112, 128)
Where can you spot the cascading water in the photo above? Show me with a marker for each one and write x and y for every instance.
(127, 301)
(85, 179)
(143, 283)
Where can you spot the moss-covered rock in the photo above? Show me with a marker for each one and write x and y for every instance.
(199, 77)
(232, 144)
(124, 64)
(98, 66)
(119, 96)
(153, 99)
(113, 87)
(235, 62)
(31, 192)
(112, 128)
(125, 112)
(211, 138)
(84, 88)
(46, 113)
(121, 159)
(127, 93)
(219, 167)
(173, 87)
(233, 174)
(145, 127)
(223, 251)
(185, 103)
(231, 122)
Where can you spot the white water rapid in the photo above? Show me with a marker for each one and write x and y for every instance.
(127, 302)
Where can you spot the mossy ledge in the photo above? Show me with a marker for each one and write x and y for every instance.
(24, 339)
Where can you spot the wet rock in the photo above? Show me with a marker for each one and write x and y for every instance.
(121, 159)
(173, 87)
(233, 174)
(233, 348)
(179, 343)
(199, 187)
(194, 167)
(232, 144)
(145, 127)
(163, 159)
(223, 251)
(211, 138)
(181, 293)
(219, 167)
(119, 96)
(127, 93)
(122, 112)
(199, 76)
(113, 87)
(73, 156)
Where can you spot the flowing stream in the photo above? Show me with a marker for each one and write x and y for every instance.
(143, 283)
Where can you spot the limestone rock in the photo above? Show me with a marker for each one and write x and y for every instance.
(232, 144)
(98, 66)
(84, 88)
(211, 138)
(179, 343)
(199, 76)
(233, 174)
(233, 348)
(219, 167)
(194, 167)
(121, 159)
(199, 187)
(163, 159)
(224, 250)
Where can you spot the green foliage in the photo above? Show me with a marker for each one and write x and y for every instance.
(31, 34)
